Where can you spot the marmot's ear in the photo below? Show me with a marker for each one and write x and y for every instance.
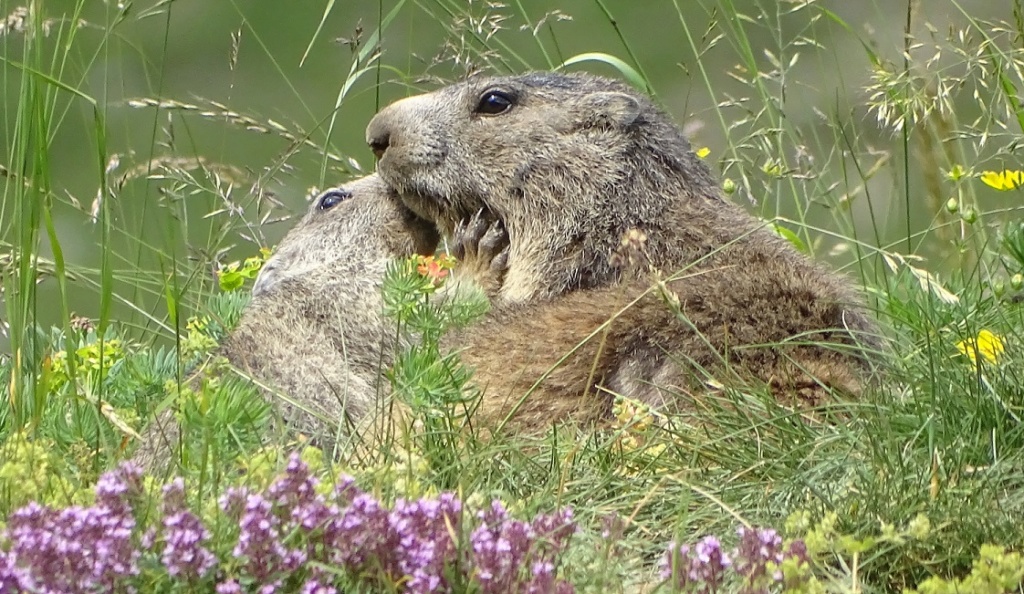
(609, 109)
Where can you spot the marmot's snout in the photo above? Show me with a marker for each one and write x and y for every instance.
(379, 133)
(406, 132)
(379, 144)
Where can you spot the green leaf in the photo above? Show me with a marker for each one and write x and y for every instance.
(790, 237)
(627, 71)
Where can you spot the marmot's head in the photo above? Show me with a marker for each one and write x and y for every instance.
(530, 146)
(347, 228)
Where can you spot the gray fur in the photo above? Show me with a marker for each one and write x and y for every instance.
(314, 334)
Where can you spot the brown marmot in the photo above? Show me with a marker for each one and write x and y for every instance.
(572, 164)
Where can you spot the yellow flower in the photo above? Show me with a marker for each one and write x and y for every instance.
(632, 415)
(87, 360)
(635, 420)
(988, 344)
(199, 338)
(1003, 180)
(703, 152)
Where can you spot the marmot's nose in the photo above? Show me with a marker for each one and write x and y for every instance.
(378, 136)
(379, 145)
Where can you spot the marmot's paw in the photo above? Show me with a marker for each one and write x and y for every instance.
(481, 248)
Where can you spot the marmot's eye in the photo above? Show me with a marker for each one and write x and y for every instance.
(332, 198)
(494, 102)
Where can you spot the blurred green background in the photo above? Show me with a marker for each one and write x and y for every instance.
(246, 56)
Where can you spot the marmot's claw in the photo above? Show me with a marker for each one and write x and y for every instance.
(482, 239)
(494, 241)
(478, 225)
(500, 262)
(457, 249)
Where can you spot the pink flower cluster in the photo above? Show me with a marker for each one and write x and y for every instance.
(287, 538)
(754, 563)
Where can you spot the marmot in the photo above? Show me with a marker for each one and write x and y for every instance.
(315, 328)
(314, 331)
(570, 164)
(314, 337)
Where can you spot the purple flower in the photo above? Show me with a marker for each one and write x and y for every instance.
(290, 509)
(345, 490)
(362, 535)
(11, 578)
(295, 494)
(709, 564)
(675, 565)
(703, 567)
(513, 556)
(425, 543)
(232, 502)
(259, 540)
(612, 527)
(77, 549)
(120, 488)
(543, 580)
(797, 549)
(554, 530)
(315, 587)
(280, 531)
(499, 545)
(229, 587)
(756, 549)
(756, 561)
(183, 554)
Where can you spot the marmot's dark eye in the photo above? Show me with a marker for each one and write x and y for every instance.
(494, 102)
(332, 198)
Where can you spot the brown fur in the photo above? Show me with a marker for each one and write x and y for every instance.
(628, 339)
(570, 168)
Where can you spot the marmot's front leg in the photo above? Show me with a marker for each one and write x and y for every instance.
(480, 247)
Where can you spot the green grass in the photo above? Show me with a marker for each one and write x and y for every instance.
(118, 202)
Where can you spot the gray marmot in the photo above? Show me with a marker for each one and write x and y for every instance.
(314, 331)
(315, 328)
(570, 165)
(314, 339)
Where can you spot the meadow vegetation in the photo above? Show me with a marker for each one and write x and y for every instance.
(913, 188)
